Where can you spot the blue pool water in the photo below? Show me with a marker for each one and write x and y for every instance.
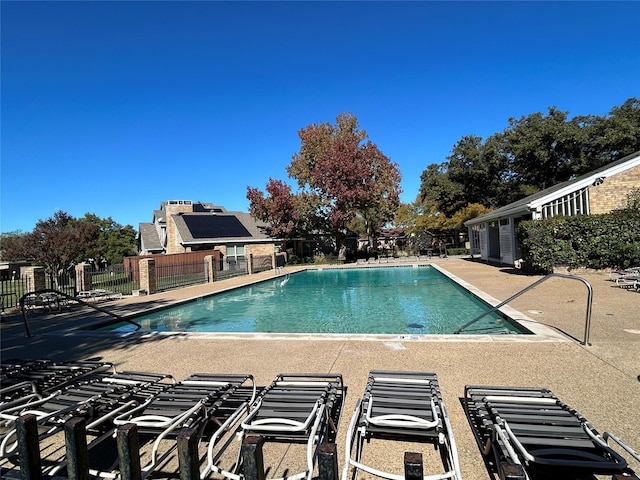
(392, 300)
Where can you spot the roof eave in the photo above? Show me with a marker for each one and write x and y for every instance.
(633, 161)
(223, 241)
(489, 217)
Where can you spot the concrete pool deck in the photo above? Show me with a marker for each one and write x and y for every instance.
(600, 380)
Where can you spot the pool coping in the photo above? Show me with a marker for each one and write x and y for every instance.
(539, 332)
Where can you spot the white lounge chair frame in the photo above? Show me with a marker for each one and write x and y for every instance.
(313, 428)
(201, 412)
(503, 441)
(358, 432)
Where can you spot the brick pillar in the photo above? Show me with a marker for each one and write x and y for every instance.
(83, 277)
(250, 264)
(210, 267)
(35, 279)
(148, 281)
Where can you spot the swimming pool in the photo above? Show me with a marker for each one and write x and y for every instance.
(412, 300)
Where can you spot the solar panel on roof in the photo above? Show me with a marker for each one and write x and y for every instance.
(215, 226)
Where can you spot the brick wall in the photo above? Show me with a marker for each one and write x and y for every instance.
(612, 193)
(260, 249)
(173, 241)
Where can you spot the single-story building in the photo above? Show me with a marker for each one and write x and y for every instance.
(182, 226)
(600, 191)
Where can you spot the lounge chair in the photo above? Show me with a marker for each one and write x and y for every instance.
(624, 272)
(195, 403)
(98, 294)
(405, 407)
(44, 302)
(529, 433)
(97, 399)
(295, 409)
(628, 281)
(13, 388)
(17, 365)
(42, 377)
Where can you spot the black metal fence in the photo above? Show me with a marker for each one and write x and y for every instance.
(12, 289)
(180, 275)
(116, 278)
(233, 268)
(125, 278)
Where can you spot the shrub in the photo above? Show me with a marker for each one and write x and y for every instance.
(584, 241)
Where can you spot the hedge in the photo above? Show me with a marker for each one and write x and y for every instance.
(584, 241)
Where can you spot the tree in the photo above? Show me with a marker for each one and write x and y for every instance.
(542, 148)
(472, 210)
(618, 134)
(60, 242)
(279, 208)
(348, 173)
(114, 240)
(534, 152)
(438, 193)
(341, 174)
(12, 246)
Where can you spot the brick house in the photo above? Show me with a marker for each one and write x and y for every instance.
(182, 226)
(600, 191)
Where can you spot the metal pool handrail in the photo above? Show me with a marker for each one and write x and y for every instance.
(21, 302)
(587, 324)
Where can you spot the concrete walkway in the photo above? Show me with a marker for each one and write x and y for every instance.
(601, 381)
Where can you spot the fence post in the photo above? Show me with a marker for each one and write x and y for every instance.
(129, 452)
(252, 459)
(413, 469)
(188, 460)
(35, 279)
(250, 264)
(328, 461)
(148, 280)
(29, 447)
(274, 261)
(83, 277)
(210, 267)
(75, 439)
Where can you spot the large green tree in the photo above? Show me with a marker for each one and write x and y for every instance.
(533, 152)
(62, 241)
(541, 149)
(115, 241)
(11, 245)
(617, 134)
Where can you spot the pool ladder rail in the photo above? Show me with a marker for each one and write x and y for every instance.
(587, 325)
(287, 276)
(59, 294)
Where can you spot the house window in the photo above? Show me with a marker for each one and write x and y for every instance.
(235, 252)
(576, 203)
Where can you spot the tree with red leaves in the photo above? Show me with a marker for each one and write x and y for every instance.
(278, 208)
(341, 174)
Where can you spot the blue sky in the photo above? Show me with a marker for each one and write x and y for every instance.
(112, 107)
